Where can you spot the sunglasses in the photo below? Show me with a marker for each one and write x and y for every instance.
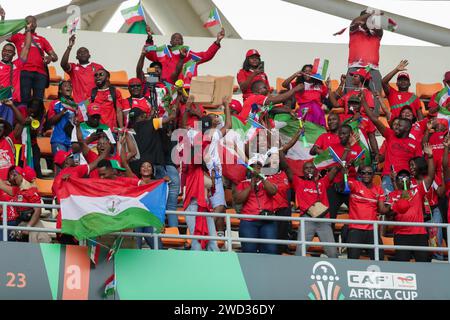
(98, 74)
(367, 172)
(135, 86)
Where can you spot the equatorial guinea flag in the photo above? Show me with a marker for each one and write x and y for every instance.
(94, 207)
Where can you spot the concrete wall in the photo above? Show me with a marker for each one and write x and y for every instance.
(119, 51)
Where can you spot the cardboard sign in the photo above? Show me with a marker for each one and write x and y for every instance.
(211, 90)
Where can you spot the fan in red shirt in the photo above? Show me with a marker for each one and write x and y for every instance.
(10, 70)
(407, 206)
(170, 63)
(366, 203)
(364, 47)
(434, 105)
(34, 75)
(309, 99)
(400, 147)
(360, 80)
(136, 100)
(401, 97)
(8, 138)
(81, 73)
(309, 190)
(328, 138)
(435, 133)
(261, 97)
(109, 98)
(252, 70)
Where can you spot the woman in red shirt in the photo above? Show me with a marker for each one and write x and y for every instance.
(310, 98)
(255, 195)
(252, 70)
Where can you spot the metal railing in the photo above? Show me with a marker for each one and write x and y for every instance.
(229, 239)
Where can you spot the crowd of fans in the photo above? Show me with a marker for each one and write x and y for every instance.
(131, 139)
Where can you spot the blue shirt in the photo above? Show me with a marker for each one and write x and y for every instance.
(59, 135)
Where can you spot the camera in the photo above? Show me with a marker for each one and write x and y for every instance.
(151, 77)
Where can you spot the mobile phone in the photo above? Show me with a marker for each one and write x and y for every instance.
(261, 66)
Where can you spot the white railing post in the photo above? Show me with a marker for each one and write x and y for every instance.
(302, 237)
(155, 240)
(228, 232)
(5, 222)
(375, 241)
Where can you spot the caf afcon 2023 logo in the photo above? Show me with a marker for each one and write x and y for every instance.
(325, 285)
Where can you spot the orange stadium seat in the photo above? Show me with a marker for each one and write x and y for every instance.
(426, 90)
(51, 92)
(47, 105)
(295, 224)
(278, 85)
(66, 76)
(119, 78)
(44, 187)
(181, 219)
(388, 241)
(124, 92)
(334, 85)
(343, 216)
(172, 242)
(393, 85)
(44, 146)
(234, 221)
(53, 76)
(386, 103)
(377, 180)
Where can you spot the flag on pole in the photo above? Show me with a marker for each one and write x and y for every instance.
(72, 27)
(133, 14)
(115, 248)
(392, 25)
(320, 68)
(104, 206)
(324, 160)
(213, 19)
(359, 136)
(93, 251)
(27, 153)
(110, 286)
(189, 69)
(10, 27)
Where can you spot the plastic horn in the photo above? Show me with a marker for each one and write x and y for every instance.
(305, 143)
(346, 187)
(404, 184)
(35, 124)
(18, 147)
(251, 169)
(179, 85)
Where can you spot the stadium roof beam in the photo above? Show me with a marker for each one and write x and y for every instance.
(406, 26)
(95, 14)
(186, 17)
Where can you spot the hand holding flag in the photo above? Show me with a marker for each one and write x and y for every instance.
(213, 19)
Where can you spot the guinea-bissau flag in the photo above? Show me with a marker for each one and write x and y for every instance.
(94, 207)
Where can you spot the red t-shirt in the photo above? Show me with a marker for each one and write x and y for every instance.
(399, 151)
(27, 196)
(243, 75)
(12, 212)
(191, 119)
(397, 98)
(92, 156)
(352, 154)
(75, 172)
(253, 99)
(364, 50)
(82, 77)
(436, 140)
(326, 139)
(140, 103)
(280, 199)
(343, 102)
(363, 203)
(5, 77)
(251, 206)
(6, 156)
(311, 93)
(366, 125)
(308, 192)
(108, 113)
(35, 61)
(418, 129)
(414, 213)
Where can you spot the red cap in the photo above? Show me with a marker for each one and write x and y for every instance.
(61, 156)
(93, 109)
(403, 74)
(447, 76)
(443, 122)
(27, 173)
(362, 72)
(236, 105)
(134, 81)
(252, 52)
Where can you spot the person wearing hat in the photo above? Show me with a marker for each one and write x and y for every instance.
(255, 195)
(252, 70)
(136, 99)
(7, 139)
(364, 48)
(81, 73)
(311, 98)
(407, 206)
(170, 62)
(21, 188)
(61, 114)
(360, 80)
(401, 97)
(92, 129)
(434, 104)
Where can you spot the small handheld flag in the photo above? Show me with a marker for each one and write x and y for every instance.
(320, 68)
(392, 25)
(213, 19)
(133, 14)
(71, 28)
(110, 286)
(346, 186)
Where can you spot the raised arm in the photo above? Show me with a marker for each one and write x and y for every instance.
(140, 65)
(17, 114)
(385, 82)
(228, 122)
(287, 83)
(26, 49)
(333, 95)
(65, 58)
(284, 96)
(380, 126)
(431, 169)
